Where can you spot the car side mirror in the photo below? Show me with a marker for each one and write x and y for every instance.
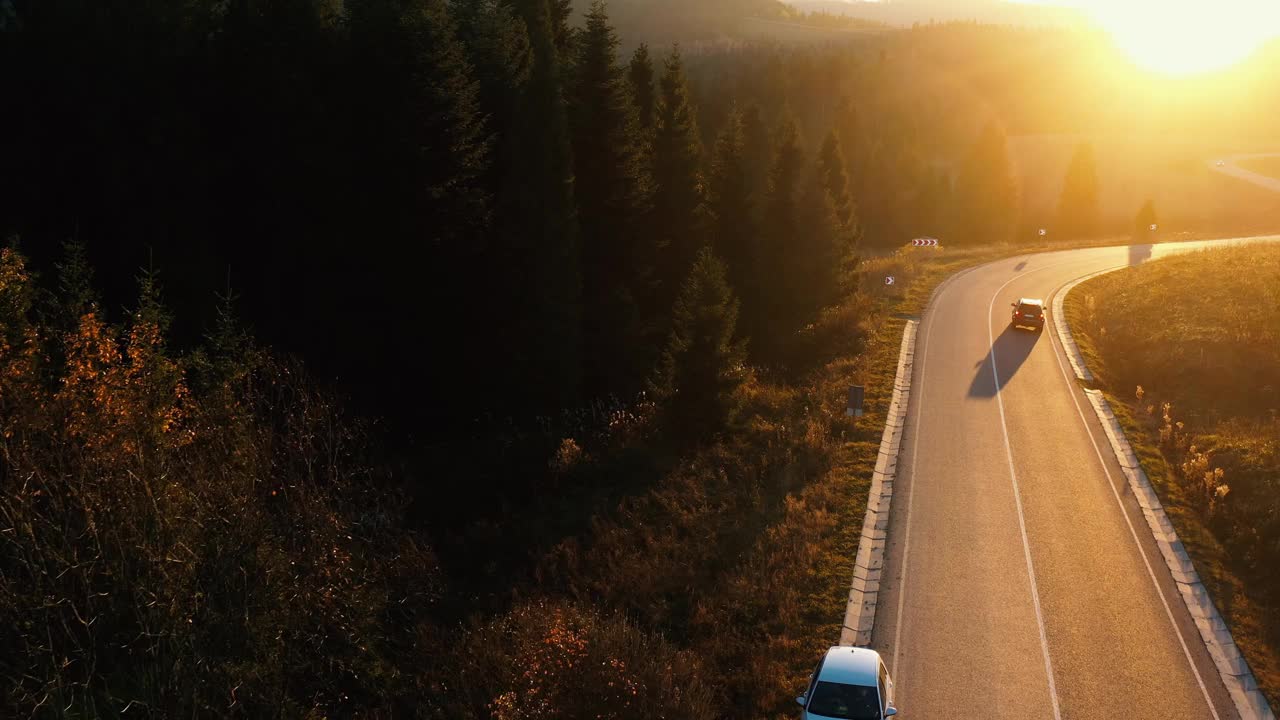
(1013, 305)
(800, 701)
(890, 712)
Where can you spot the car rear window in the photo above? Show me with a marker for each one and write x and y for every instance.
(1031, 309)
(850, 702)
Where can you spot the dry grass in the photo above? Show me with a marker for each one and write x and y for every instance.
(1201, 332)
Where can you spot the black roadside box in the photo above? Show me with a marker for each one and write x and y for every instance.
(855, 402)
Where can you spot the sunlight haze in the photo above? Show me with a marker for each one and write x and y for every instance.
(1181, 38)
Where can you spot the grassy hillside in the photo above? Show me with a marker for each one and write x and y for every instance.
(1269, 166)
(1188, 350)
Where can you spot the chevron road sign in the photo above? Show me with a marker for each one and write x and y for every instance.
(925, 242)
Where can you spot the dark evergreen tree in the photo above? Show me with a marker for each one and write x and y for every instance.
(757, 150)
(702, 367)
(613, 190)
(733, 229)
(677, 182)
(779, 272)
(640, 76)
(540, 265)
(987, 194)
(1143, 221)
(846, 126)
(1078, 206)
(561, 11)
(819, 250)
(497, 45)
(76, 294)
(831, 160)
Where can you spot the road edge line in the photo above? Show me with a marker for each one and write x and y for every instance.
(1234, 670)
(868, 564)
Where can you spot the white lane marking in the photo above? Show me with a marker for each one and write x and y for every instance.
(1017, 497)
(915, 444)
(1073, 389)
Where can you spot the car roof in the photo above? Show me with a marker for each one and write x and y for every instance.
(1031, 301)
(850, 666)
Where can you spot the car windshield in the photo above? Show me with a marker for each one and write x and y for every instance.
(850, 702)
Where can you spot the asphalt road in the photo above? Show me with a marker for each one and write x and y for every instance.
(1229, 167)
(1020, 578)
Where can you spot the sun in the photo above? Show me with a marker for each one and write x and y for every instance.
(1186, 37)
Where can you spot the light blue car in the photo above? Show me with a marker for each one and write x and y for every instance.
(849, 684)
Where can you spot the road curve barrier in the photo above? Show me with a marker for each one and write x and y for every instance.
(860, 614)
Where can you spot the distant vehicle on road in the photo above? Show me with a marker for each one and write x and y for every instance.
(1028, 312)
(1222, 163)
(849, 684)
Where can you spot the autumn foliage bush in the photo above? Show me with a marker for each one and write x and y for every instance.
(205, 534)
(187, 535)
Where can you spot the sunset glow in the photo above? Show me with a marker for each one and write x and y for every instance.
(1182, 38)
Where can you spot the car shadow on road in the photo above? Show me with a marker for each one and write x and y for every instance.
(1010, 350)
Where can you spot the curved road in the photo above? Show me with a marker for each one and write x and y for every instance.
(1229, 167)
(1020, 578)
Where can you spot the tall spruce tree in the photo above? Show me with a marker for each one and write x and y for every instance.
(702, 367)
(819, 250)
(613, 189)
(539, 262)
(640, 77)
(1078, 212)
(1143, 221)
(832, 162)
(779, 272)
(733, 230)
(677, 181)
(757, 150)
(987, 194)
(561, 11)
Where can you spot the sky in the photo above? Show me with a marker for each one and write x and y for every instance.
(1184, 36)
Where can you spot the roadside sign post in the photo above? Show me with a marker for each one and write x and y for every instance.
(855, 402)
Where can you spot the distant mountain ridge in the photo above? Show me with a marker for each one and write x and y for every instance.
(908, 12)
(660, 22)
(664, 21)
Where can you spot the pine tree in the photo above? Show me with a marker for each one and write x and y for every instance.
(845, 126)
(702, 366)
(987, 194)
(613, 196)
(1078, 206)
(757, 150)
(540, 273)
(497, 46)
(832, 163)
(75, 285)
(779, 271)
(640, 76)
(677, 182)
(819, 249)
(561, 11)
(733, 229)
(1143, 221)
